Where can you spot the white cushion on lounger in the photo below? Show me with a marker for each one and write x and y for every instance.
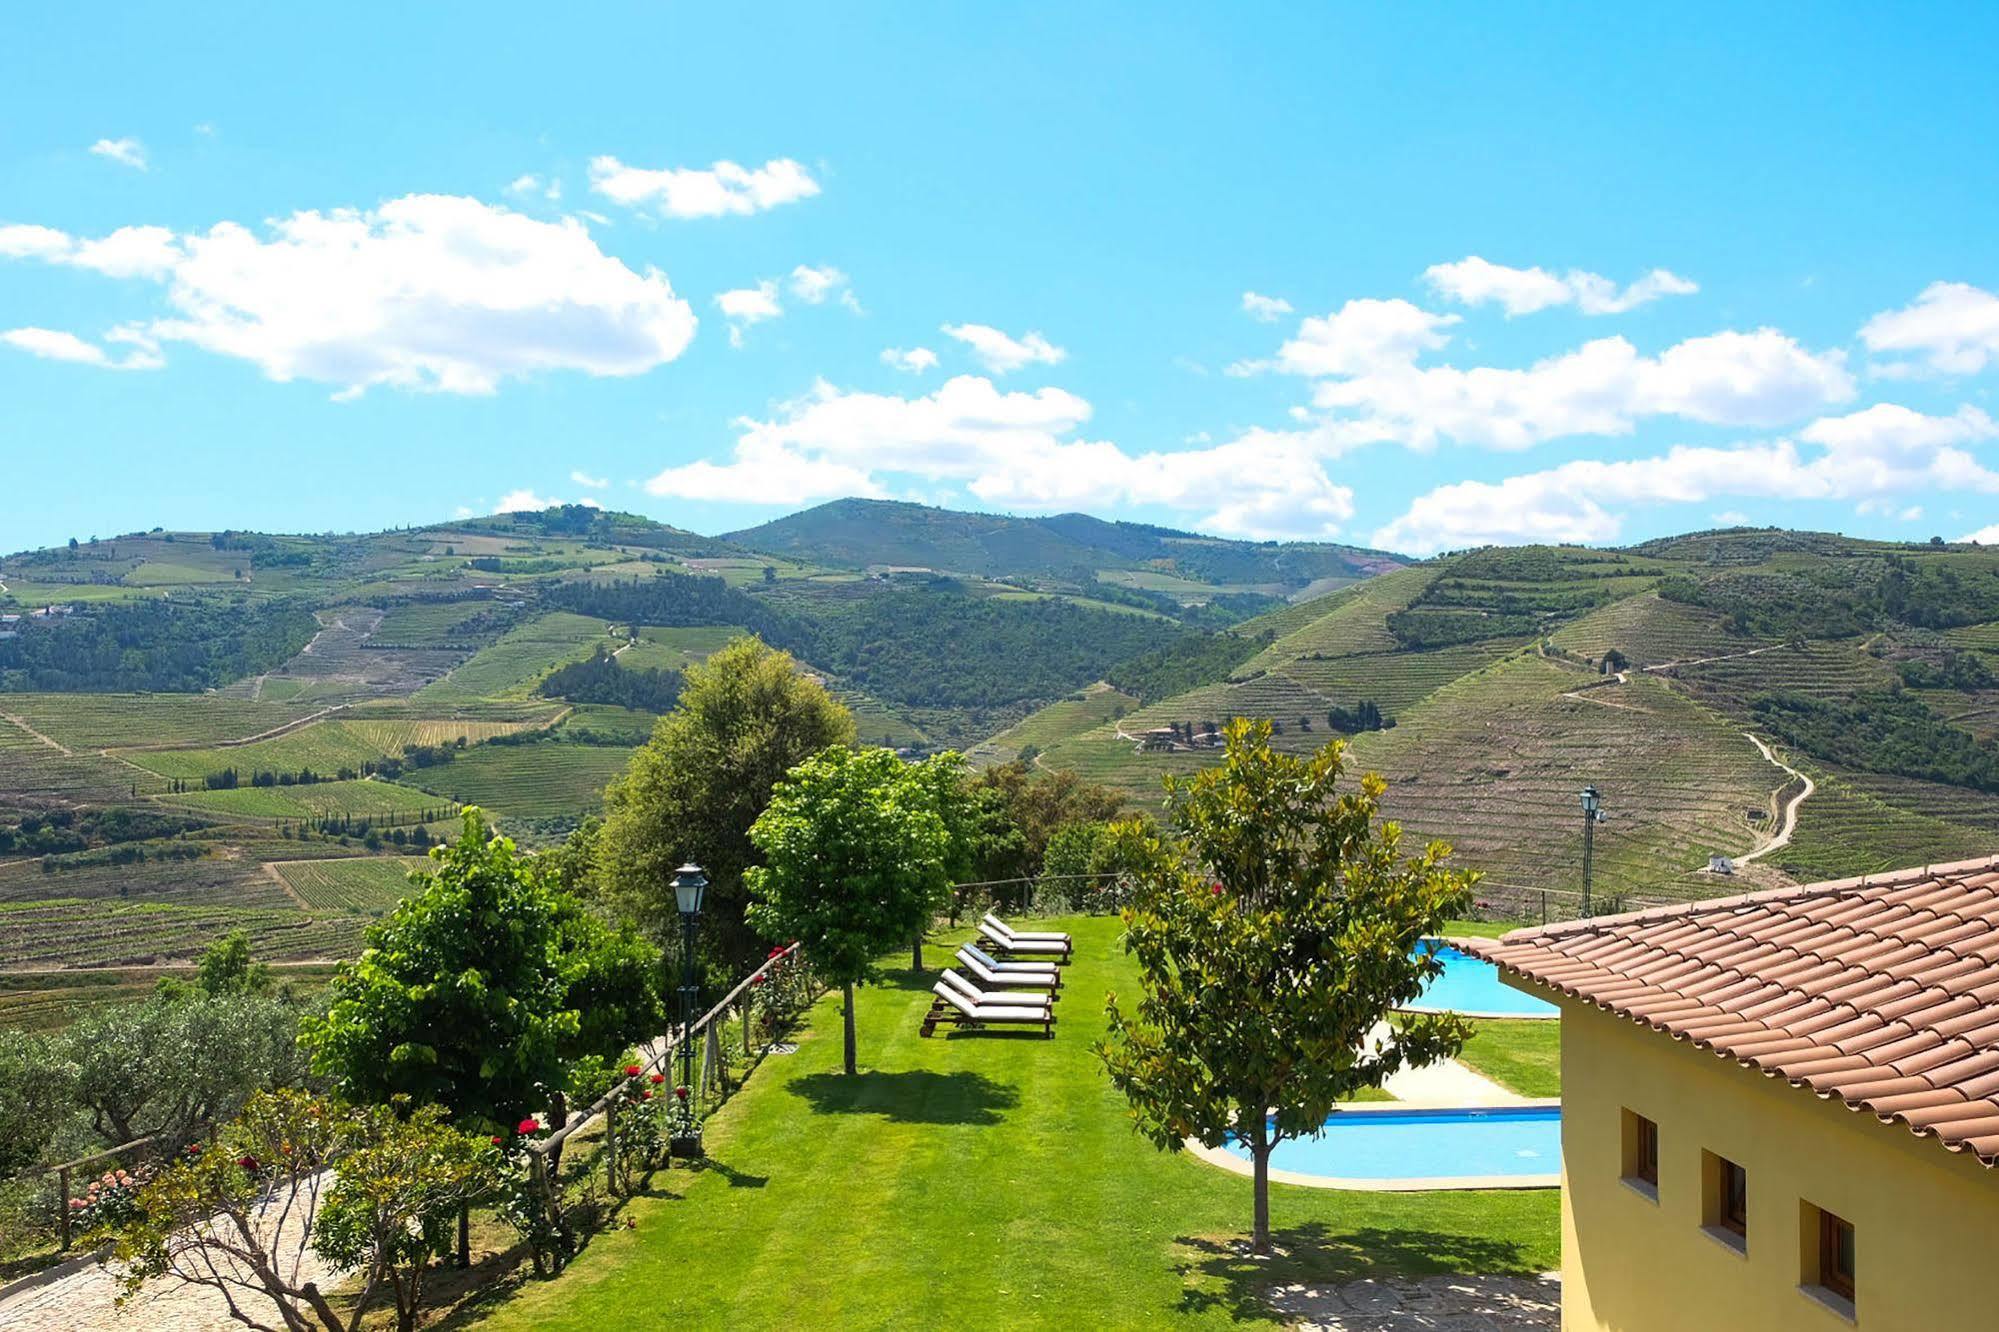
(987, 961)
(1025, 945)
(989, 1012)
(999, 980)
(1046, 936)
(979, 996)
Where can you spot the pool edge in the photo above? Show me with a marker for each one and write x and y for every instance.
(1235, 1165)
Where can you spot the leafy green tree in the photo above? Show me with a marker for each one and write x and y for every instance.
(855, 856)
(170, 1065)
(747, 716)
(225, 968)
(972, 823)
(471, 993)
(36, 1087)
(1036, 802)
(1272, 936)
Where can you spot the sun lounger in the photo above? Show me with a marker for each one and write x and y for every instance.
(1009, 968)
(1055, 936)
(1019, 948)
(998, 998)
(975, 963)
(953, 1008)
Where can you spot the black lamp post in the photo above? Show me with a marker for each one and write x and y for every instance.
(1592, 815)
(689, 883)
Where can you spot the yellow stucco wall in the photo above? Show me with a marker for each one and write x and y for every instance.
(1926, 1221)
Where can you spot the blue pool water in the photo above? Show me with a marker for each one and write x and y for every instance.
(1427, 1144)
(1472, 985)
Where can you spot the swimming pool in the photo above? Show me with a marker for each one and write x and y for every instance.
(1364, 1147)
(1471, 985)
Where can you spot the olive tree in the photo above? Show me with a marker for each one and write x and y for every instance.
(1275, 928)
(854, 859)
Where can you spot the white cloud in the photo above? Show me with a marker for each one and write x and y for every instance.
(531, 186)
(716, 191)
(1002, 354)
(55, 345)
(815, 286)
(431, 292)
(1016, 449)
(1476, 281)
(1604, 387)
(1984, 536)
(1362, 337)
(583, 478)
(910, 360)
(1952, 326)
(525, 500)
(1866, 457)
(1264, 309)
(125, 152)
(745, 306)
(1729, 518)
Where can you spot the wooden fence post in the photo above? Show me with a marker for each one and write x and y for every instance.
(611, 1147)
(62, 1177)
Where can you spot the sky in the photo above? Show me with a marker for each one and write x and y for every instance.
(1415, 279)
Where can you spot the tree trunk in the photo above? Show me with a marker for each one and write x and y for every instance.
(849, 992)
(558, 1119)
(916, 952)
(465, 1234)
(1259, 1241)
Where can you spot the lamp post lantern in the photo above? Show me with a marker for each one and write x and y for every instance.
(1592, 815)
(689, 884)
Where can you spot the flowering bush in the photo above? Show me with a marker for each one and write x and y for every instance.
(111, 1200)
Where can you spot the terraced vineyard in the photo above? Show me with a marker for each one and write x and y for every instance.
(358, 885)
(32, 768)
(1355, 621)
(1650, 631)
(100, 721)
(57, 932)
(1855, 823)
(511, 667)
(1059, 721)
(375, 800)
(326, 747)
(540, 781)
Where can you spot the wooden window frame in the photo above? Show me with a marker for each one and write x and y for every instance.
(1727, 1215)
(1831, 1276)
(1646, 1167)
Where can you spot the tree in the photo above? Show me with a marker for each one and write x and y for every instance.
(483, 991)
(970, 826)
(1037, 802)
(170, 1065)
(746, 717)
(373, 1188)
(36, 1087)
(225, 968)
(1272, 935)
(855, 854)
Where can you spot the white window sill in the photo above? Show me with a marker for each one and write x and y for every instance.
(1830, 1300)
(1643, 1188)
(1728, 1239)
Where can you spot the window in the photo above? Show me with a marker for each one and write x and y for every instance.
(1835, 1254)
(1725, 1201)
(1641, 1153)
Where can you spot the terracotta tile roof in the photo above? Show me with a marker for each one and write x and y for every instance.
(1882, 991)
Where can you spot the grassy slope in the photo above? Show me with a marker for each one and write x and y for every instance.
(990, 1174)
(1524, 1056)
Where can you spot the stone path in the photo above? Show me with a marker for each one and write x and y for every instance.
(1425, 1304)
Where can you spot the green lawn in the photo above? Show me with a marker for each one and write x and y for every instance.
(988, 1180)
(1523, 1056)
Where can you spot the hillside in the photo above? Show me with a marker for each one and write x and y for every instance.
(875, 534)
(1508, 679)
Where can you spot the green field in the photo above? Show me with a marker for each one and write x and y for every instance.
(81, 933)
(361, 885)
(539, 781)
(326, 747)
(100, 721)
(358, 799)
(1525, 1057)
(511, 667)
(990, 1174)
(1059, 721)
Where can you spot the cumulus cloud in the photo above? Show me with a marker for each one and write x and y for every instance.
(1952, 327)
(525, 500)
(816, 286)
(1519, 291)
(430, 292)
(747, 306)
(1264, 309)
(1984, 536)
(125, 152)
(1867, 456)
(531, 186)
(1362, 337)
(721, 190)
(1011, 448)
(910, 360)
(1001, 353)
(52, 344)
(583, 478)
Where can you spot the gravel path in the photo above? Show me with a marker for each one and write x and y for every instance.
(1425, 1304)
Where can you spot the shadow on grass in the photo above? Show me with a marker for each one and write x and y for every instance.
(917, 1096)
(1222, 1276)
(736, 1179)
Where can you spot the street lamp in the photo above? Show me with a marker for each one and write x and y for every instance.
(689, 884)
(1592, 815)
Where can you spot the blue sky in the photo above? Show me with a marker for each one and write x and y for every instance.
(1416, 279)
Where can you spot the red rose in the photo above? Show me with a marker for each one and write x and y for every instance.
(681, 1092)
(632, 1070)
(658, 1078)
(645, 1096)
(498, 1140)
(527, 1126)
(247, 1162)
(1215, 891)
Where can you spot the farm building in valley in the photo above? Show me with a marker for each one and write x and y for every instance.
(1834, 1166)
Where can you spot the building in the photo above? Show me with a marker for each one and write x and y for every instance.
(1781, 1109)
